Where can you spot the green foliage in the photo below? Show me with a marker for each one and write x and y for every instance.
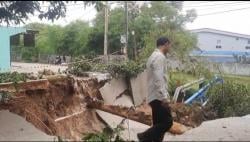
(230, 99)
(5, 97)
(29, 54)
(177, 79)
(116, 28)
(148, 23)
(167, 21)
(107, 135)
(70, 40)
(127, 69)
(74, 39)
(13, 77)
(80, 66)
(199, 69)
(18, 11)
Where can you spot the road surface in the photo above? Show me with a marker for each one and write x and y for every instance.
(35, 67)
(16, 128)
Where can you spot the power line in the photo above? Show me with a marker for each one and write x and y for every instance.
(214, 4)
(198, 3)
(219, 12)
(222, 6)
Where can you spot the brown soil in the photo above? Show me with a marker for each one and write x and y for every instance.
(62, 98)
(188, 115)
(59, 108)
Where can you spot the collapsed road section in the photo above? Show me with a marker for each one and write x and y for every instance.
(57, 108)
(69, 106)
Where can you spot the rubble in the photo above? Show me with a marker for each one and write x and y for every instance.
(45, 108)
(63, 106)
(139, 88)
(112, 89)
(131, 127)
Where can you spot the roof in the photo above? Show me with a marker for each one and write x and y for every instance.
(208, 30)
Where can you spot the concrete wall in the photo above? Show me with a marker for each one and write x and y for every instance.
(231, 68)
(208, 41)
(227, 68)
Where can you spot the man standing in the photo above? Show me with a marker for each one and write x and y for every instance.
(158, 97)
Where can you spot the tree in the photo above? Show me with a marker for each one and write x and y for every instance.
(18, 11)
(168, 21)
(75, 39)
(49, 37)
(116, 29)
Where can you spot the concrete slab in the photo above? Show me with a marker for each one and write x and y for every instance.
(226, 129)
(131, 127)
(99, 76)
(139, 88)
(124, 100)
(35, 67)
(15, 128)
(112, 89)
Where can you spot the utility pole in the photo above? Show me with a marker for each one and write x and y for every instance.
(106, 30)
(126, 21)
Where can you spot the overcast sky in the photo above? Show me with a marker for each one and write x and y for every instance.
(238, 20)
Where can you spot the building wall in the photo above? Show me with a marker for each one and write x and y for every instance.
(5, 33)
(208, 42)
(4, 53)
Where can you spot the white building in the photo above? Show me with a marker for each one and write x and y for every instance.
(216, 40)
(211, 42)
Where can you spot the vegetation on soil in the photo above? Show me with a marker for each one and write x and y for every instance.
(106, 135)
(12, 77)
(230, 99)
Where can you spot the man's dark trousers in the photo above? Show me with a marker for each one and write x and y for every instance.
(162, 121)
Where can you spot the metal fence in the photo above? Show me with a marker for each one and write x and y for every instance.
(41, 58)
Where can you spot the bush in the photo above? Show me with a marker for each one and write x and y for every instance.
(12, 77)
(80, 66)
(106, 135)
(127, 69)
(230, 99)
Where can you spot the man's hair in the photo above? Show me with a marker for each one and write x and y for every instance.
(162, 41)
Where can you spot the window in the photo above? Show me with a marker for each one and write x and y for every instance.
(218, 46)
(218, 41)
(248, 42)
(247, 47)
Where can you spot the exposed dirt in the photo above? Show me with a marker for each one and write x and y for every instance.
(64, 97)
(187, 115)
(59, 108)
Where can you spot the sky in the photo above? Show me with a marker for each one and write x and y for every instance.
(237, 20)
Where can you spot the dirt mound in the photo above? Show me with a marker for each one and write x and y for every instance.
(62, 98)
